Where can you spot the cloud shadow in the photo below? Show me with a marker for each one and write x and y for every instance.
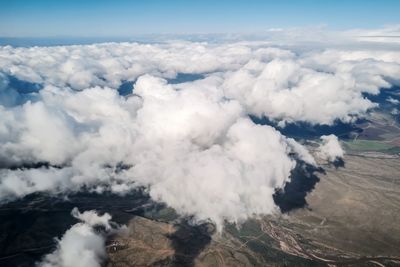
(188, 241)
(293, 195)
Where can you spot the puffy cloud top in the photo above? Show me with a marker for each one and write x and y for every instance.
(330, 148)
(81, 245)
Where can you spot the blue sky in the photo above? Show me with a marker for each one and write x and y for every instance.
(99, 18)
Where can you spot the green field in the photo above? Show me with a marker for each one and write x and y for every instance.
(370, 145)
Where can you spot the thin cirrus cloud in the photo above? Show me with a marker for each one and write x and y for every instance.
(191, 144)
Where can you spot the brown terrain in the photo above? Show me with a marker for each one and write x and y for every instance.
(352, 218)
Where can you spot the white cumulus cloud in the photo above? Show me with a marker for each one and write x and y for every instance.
(81, 245)
(330, 149)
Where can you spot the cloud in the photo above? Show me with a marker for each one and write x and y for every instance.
(108, 64)
(317, 88)
(81, 245)
(192, 145)
(21, 182)
(91, 218)
(229, 181)
(389, 34)
(393, 100)
(330, 149)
